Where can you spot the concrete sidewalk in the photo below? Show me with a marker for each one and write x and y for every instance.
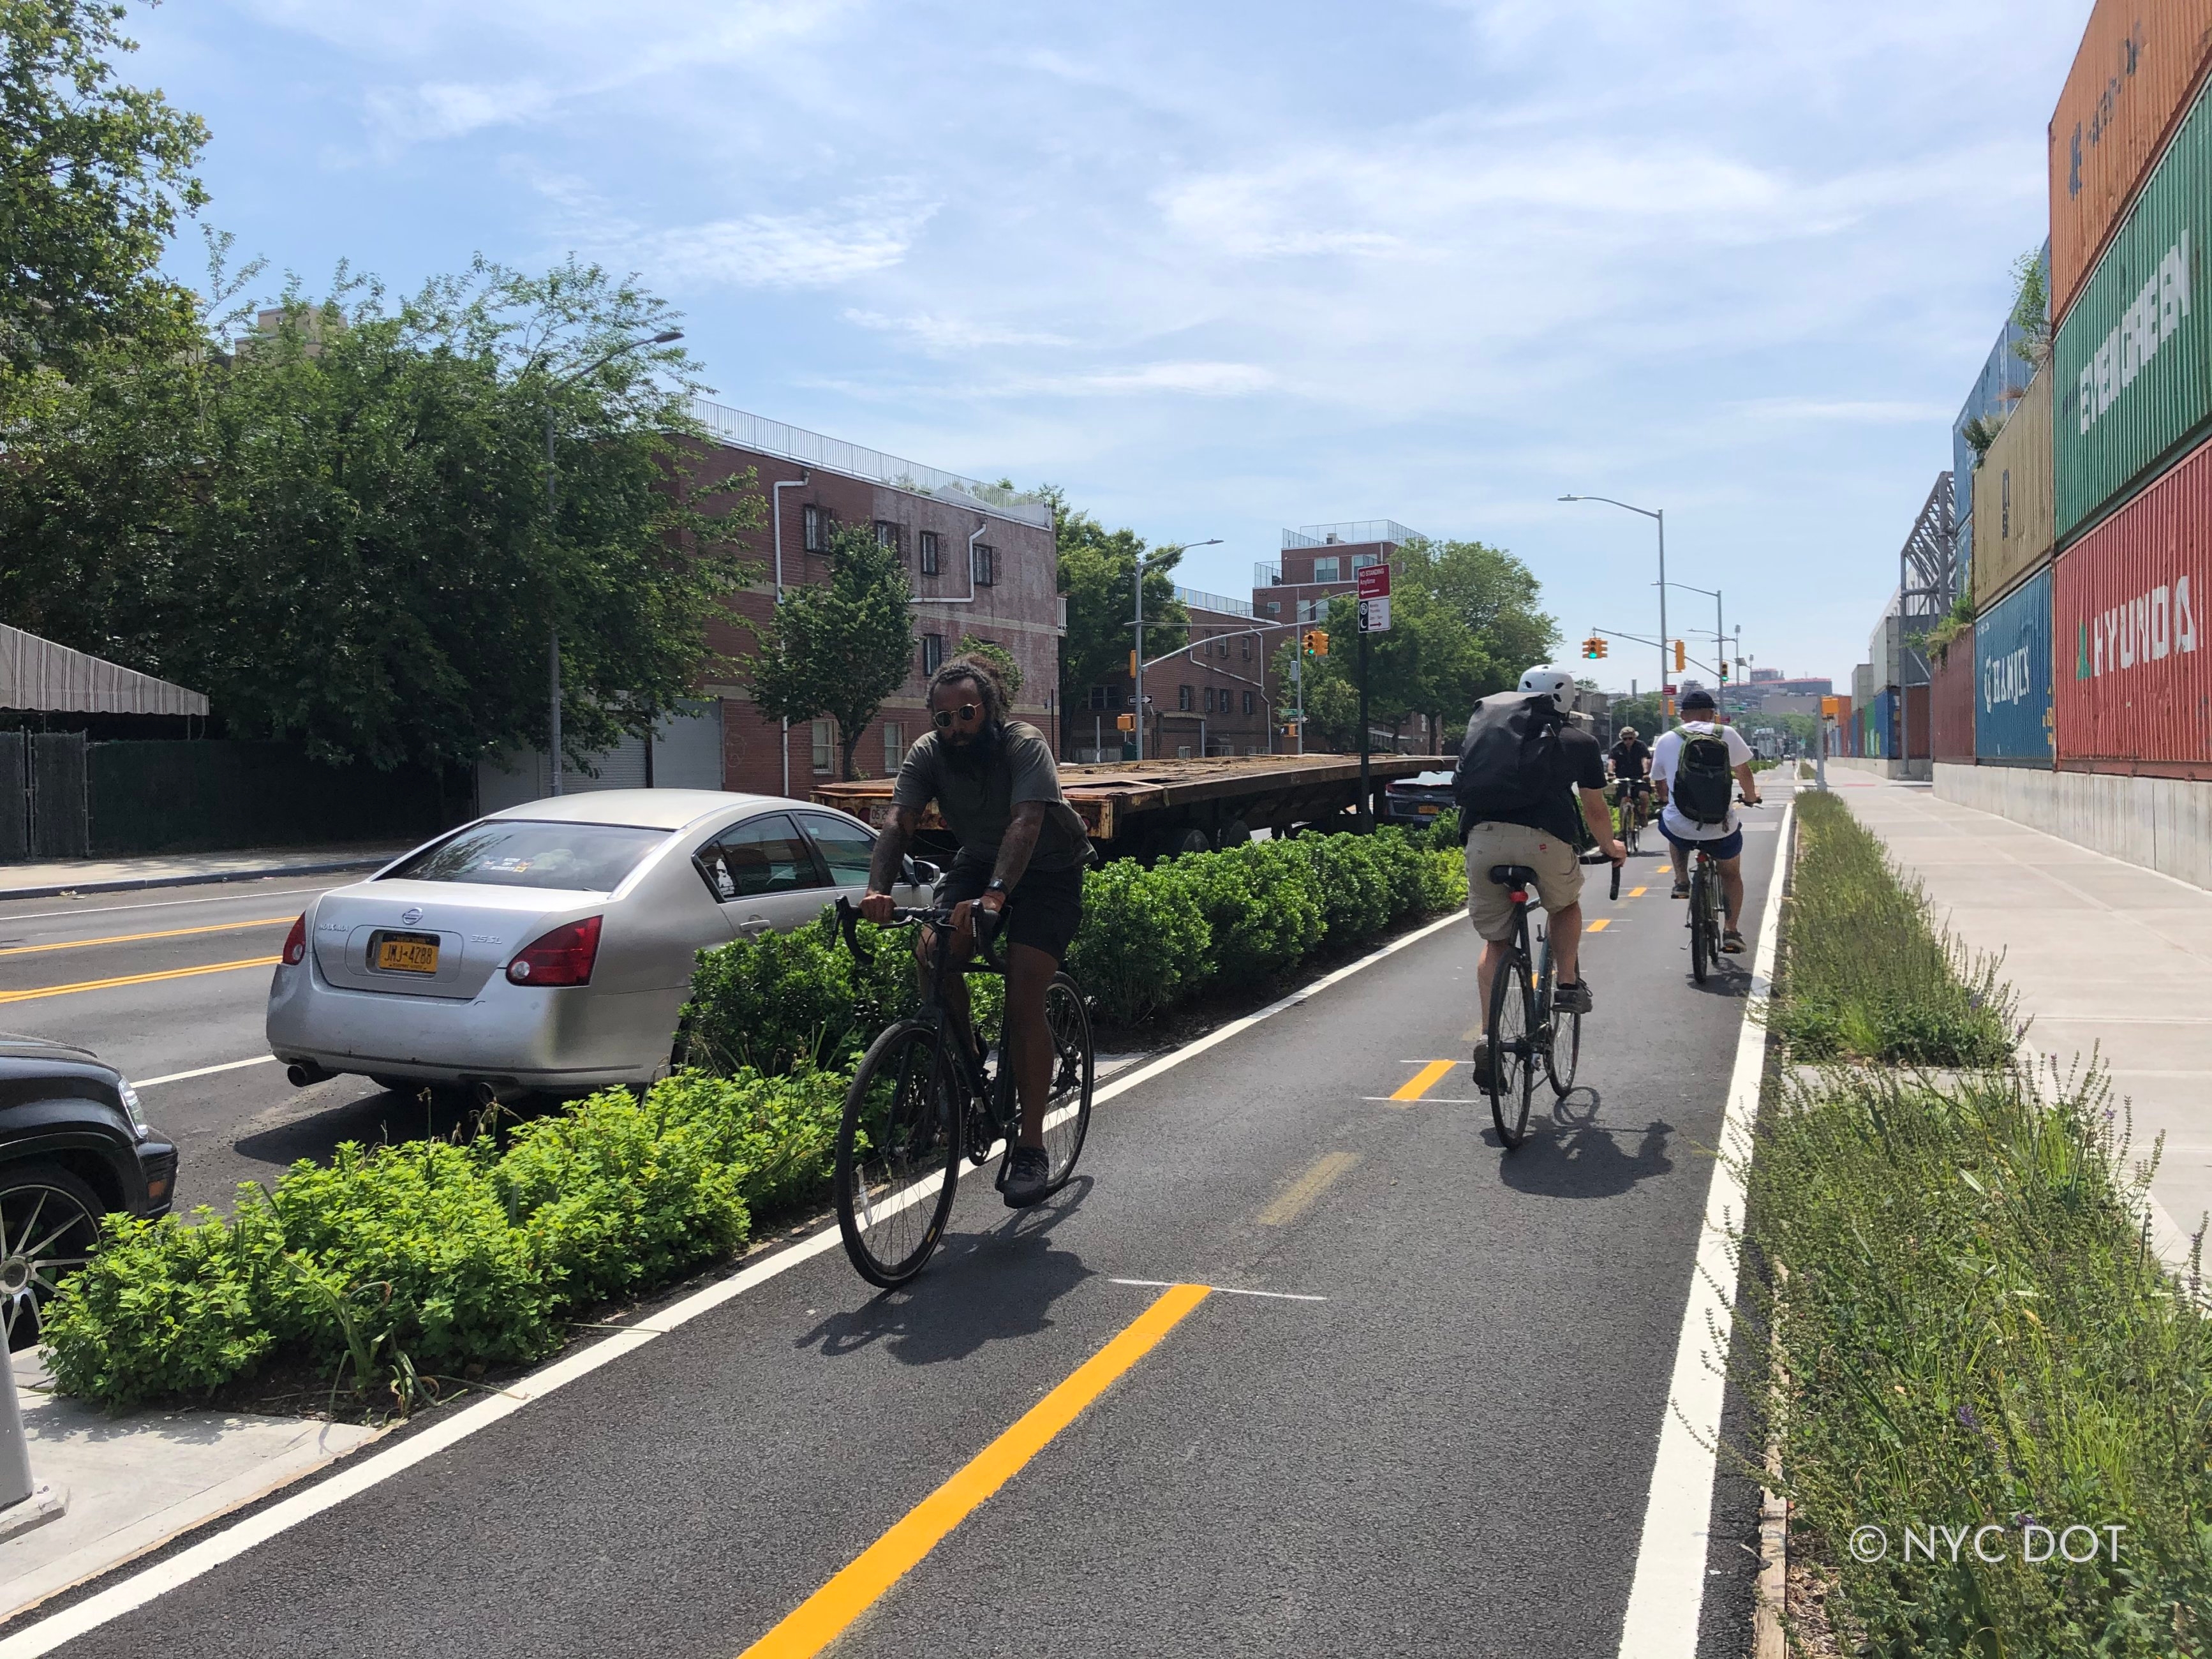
(26, 881)
(2105, 956)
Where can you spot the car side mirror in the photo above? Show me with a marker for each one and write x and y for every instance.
(921, 873)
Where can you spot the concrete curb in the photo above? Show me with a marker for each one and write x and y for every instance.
(138, 884)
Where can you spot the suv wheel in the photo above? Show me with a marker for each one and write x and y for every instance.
(49, 1221)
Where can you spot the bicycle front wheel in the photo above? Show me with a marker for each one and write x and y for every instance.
(898, 1154)
(1512, 1050)
(1074, 1067)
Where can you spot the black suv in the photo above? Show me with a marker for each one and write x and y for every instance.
(74, 1145)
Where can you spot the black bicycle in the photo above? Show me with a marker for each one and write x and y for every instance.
(1633, 797)
(921, 1100)
(1527, 1028)
(1707, 912)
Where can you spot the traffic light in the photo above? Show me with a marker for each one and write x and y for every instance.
(1125, 723)
(1681, 656)
(1594, 646)
(1133, 665)
(1316, 640)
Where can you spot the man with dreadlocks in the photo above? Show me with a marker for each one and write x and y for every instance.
(1022, 853)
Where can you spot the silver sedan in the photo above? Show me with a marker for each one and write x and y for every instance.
(550, 946)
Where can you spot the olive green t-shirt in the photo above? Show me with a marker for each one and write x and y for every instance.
(978, 801)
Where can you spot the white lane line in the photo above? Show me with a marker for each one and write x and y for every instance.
(1218, 1290)
(1668, 1594)
(205, 1071)
(35, 1640)
(240, 896)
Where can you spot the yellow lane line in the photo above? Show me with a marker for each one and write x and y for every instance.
(132, 939)
(1599, 925)
(1425, 1079)
(1298, 1196)
(1637, 892)
(1664, 870)
(824, 1616)
(135, 979)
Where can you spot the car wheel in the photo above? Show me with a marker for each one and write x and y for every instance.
(49, 1221)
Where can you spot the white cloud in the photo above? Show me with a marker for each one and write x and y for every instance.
(442, 110)
(805, 250)
(940, 334)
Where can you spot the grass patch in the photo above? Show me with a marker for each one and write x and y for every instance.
(1865, 974)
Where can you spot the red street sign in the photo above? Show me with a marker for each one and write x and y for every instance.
(1373, 581)
(1670, 691)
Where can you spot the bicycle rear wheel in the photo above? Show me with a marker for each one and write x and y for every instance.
(1512, 1050)
(1703, 942)
(1563, 1030)
(898, 1155)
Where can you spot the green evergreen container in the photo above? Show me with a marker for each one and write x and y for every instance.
(2133, 389)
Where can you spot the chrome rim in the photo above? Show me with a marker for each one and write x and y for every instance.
(46, 1234)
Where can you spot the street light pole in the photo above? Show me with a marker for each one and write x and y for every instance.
(1137, 662)
(552, 524)
(1666, 657)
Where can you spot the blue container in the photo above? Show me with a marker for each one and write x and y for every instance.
(2012, 677)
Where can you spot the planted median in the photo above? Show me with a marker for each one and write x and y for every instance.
(399, 1273)
(1995, 1423)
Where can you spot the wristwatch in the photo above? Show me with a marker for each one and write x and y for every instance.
(998, 885)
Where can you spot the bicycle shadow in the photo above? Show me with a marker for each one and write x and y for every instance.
(985, 1284)
(1571, 1155)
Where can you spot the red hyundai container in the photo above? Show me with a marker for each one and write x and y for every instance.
(2138, 64)
(2131, 671)
(1950, 702)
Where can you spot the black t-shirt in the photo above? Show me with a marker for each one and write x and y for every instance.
(1632, 760)
(1577, 763)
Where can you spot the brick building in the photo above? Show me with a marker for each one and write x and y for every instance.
(982, 562)
(1210, 697)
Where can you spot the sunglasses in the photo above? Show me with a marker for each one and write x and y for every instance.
(945, 717)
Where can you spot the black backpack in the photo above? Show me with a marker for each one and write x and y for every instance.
(1704, 787)
(1511, 760)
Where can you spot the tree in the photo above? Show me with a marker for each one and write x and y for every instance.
(1010, 671)
(1097, 573)
(840, 650)
(338, 528)
(93, 175)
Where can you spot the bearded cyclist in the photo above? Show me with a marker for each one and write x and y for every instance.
(1020, 868)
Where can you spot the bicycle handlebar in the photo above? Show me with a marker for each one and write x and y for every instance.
(937, 918)
(1600, 858)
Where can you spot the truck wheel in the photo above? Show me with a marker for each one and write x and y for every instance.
(1235, 832)
(1174, 843)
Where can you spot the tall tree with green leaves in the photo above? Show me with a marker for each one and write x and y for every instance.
(1010, 671)
(1097, 573)
(93, 175)
(839, 650)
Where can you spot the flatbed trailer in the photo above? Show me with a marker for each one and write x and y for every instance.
(1150, 808)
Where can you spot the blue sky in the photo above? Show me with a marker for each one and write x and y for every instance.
(1217, 270)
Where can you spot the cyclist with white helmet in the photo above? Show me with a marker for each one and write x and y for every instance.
(1524, 771)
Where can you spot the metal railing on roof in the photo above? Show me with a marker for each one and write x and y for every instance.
(766, 437)
(1353, 532)
(1197, 601)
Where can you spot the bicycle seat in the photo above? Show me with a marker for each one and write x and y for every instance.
(1512, 875)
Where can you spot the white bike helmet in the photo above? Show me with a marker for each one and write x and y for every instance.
(1554, 682)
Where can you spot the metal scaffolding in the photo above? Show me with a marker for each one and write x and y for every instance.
(1931, 579)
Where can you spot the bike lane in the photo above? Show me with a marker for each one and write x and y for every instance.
(1450, 1452)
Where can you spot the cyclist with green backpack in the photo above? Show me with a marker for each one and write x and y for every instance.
(1696, 769)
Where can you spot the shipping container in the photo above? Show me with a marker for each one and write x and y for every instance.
(1951, 701)
(2013, 508)
(2133, 361)
(2134, 689)
(1998, 391)
(2132, 76)
(2012, 677)
(1915, 730)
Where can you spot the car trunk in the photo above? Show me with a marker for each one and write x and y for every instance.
(431, 938)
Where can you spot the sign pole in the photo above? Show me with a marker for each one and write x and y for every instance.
(1373, 612)
(1366, 803)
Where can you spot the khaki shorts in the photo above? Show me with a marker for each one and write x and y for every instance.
(1558, 874)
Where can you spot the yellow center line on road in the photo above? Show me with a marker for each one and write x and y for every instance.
(1664, 870)
(132, 939)
(824, 1616)
(1637, 892)
(1297, 1198)
(34, 994)
(1599, 925)
(1425, 1079)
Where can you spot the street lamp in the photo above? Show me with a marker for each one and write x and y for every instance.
(1137, 662)
(1720, 634)
(1665, 666)
(552, 504)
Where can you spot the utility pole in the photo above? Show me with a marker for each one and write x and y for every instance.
(1366, 804)
(1137, 662)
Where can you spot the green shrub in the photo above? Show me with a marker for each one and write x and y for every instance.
(1354, 893)
(1260, 909)
(1144, 937)
(1443, 834)
(780, 1132)
(784, 1001)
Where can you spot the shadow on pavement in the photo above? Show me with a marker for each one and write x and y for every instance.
(1572, 1155)
(992, 1284)
(377, 1118)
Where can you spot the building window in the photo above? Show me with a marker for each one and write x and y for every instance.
(932, 653)
(1182, 751)
(1184, 698)
(1247, 702)
(1325, 570)
(985, 563)
(1105, 696)
(1361, 560)
(1273, 607)
(1221, 647)
(894, 747)
(825, 745)
(1245, 647)
(1305, 611)
(928, 543)
(1209, 700)
(814, 529)
(887, 535)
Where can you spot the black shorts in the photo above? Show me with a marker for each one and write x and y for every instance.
(1043, 908)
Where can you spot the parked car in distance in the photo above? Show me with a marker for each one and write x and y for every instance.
(1420, 798)
(547, 948)
(75, 1145)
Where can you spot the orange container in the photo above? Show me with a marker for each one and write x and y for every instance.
(2138, 63)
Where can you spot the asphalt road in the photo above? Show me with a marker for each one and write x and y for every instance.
(1447, 1450)
(195, 962)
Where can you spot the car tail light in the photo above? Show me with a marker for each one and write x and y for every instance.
(295, 944)
(563, 956)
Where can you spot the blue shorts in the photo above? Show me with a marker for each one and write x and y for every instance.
(1729, 846)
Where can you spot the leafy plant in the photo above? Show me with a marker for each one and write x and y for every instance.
(842, 649)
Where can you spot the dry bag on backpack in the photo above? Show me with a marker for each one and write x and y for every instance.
(1510, 762)
(1703, 786)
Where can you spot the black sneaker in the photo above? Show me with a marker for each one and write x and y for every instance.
(1681, 890)
(1573, 999)
(1482, 1065)
(1027, 1177)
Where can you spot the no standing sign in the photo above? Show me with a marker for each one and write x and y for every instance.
(1373, 581)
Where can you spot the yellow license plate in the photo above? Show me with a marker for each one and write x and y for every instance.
(407, 953)
(1428, 811)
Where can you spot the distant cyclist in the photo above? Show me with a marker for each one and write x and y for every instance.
(1696, 769)
(1022, 853)
(1632, 769)
(1523, 772)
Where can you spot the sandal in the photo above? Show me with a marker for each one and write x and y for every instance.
(1732, 942)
